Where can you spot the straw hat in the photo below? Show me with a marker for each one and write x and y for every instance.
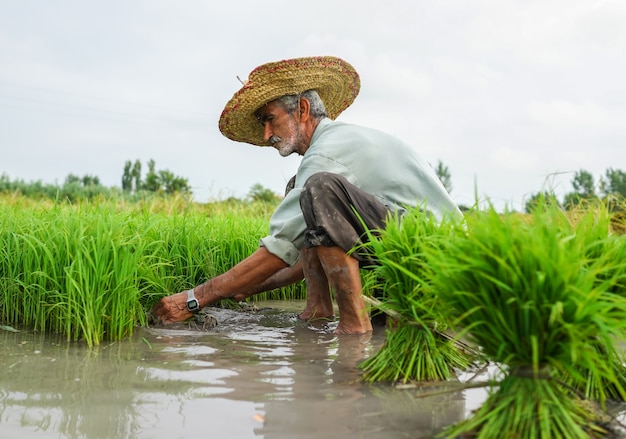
(335, 81)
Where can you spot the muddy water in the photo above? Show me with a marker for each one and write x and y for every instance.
(255, 375)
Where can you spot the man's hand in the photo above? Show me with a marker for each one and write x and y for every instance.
(171, 309)
(240, 281)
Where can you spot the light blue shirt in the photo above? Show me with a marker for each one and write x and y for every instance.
(376, 162)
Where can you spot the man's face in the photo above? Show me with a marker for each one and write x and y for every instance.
(281, 128)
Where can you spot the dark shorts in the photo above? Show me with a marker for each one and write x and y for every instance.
(337, 213)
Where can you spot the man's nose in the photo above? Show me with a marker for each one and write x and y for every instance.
(267, 131)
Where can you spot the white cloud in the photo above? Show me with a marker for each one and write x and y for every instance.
(564, 114)
(398, 81)
(514, 159)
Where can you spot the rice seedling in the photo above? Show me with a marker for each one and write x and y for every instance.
(533, 293)
(612, 278)
(417, 346)
(72, 272)
(593, 224)
(90, 271)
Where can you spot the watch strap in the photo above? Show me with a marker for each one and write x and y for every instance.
(192, 303)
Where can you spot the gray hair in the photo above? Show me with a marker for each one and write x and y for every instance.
(290, 103)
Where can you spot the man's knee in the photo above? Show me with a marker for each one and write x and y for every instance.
(320, 183)
(321, 179)
(317, 198)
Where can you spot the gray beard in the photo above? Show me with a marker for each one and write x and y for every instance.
(284, 149)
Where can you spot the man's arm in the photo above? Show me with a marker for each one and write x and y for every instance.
(246, 276)
(282, 278)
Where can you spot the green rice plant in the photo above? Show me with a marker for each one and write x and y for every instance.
(412, 353)
(530, 408)
(533, 293)
(593, 224)
(93, 270)
(613, 279)
(74, 272)
(200, 247)
(417, 346)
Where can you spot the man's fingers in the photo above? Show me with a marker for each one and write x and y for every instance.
(157, 308)
(170, 309)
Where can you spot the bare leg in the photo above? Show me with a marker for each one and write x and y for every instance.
(343, 273)
(319, 304)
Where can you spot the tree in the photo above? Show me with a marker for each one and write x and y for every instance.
(542, 199)
(156, 180)
(151, 182)
(136, 175)
(584, 189)
(260, 193)
(584, 184)
(127, 177)
(84, 181)
(131, 178)
(614, 183)
(90, 180)
(444, 175)
(172, 184)
(71, 179)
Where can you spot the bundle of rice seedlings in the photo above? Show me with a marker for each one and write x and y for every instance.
(592, 224)
(612, 278)
(534, 296)
(417, 346)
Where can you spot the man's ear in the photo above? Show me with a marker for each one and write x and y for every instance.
(305, 108)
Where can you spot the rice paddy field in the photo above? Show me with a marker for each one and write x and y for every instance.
(538, 300)
(92, 270)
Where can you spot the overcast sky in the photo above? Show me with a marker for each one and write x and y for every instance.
(512, 96)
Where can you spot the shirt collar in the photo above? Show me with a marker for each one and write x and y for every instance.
(319, 129)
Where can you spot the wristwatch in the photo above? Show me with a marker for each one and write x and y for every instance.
(192, 303)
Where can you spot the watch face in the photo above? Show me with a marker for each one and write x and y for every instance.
(193, 305)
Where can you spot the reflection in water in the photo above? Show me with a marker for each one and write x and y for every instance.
(328, 400)
(49, 385)
(255, 375)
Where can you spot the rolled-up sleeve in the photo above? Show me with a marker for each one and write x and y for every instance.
(287, 228)
(285, 250)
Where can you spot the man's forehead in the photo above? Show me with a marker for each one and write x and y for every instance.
(270, 107)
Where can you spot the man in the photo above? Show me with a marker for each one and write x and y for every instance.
(350, 179)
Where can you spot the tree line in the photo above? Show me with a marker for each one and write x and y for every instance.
(162, 181)
(74, 187)
(134, 185)
(609, 188)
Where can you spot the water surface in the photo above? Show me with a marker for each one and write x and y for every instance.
(255, 375)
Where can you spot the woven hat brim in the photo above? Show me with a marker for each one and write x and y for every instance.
(336, 81)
